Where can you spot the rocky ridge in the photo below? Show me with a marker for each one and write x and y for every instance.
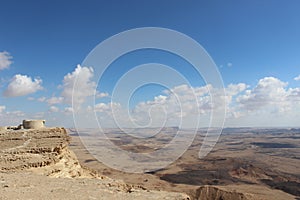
(29, 158)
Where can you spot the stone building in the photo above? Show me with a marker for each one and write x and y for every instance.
(33, 124)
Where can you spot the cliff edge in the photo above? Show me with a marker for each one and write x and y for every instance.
(37, 164)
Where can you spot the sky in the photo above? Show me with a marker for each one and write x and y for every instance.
(254, 45)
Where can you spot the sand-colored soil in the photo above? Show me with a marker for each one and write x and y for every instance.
(37, 164)
(243, 165)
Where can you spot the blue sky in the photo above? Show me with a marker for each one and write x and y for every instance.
(250, 41)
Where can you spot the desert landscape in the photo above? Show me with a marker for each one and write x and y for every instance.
(246, 163)
(172, 100)
(37, 164)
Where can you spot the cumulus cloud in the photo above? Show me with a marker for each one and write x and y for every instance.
(186, 103)
(243, 102)
(293, 95)
(234, 89)
(85, 86)
(106, 107)
(270, 96)
(245, 105)
(21, 85)
(5, 60)
(179, 106)
(268, 91)
(297, 78)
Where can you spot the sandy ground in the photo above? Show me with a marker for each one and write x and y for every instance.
(26, 185)
(248, 161)
(37, 164)
(245, 164)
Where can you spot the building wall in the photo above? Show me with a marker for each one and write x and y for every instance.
(3, 128)
(33, 124)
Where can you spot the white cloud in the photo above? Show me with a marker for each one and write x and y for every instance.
(5, 60)
(106, 107)
(2, 108)
(22, 85)
(234, 89)
(184, 104)
(102, 94)
(297, 78)
(54, 100)
(293, 95)
(85, 86)
(268, 91)
(53, 109)
(180, 106)
(270, 99)
(229, 64)
(68, 110)
(270, 103)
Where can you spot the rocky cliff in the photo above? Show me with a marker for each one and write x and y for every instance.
(29, 158)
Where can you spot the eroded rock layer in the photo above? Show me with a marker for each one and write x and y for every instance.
(26, 156)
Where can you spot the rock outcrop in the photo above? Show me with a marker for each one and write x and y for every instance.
(44, 151)
(28, 158)
(215, 193)
(240, 192)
